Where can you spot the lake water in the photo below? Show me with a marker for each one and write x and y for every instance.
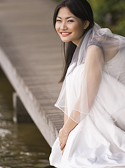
(21, 145)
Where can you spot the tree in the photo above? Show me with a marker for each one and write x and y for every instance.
(110, 13)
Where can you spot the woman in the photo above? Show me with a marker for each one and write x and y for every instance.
(93, 92)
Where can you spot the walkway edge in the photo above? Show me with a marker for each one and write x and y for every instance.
(31, 104)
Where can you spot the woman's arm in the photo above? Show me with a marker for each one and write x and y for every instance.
(64, 132)
(65, 118)
(93, 68)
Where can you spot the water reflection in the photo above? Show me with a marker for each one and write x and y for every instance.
(21, 145)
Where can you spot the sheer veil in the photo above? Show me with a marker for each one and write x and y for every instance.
(99, 61)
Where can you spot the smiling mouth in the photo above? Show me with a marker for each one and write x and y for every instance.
(64, 34)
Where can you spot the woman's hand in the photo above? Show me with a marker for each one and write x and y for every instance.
(63, 136)
(64, 132)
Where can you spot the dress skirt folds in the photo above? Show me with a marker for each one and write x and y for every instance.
(98, 141)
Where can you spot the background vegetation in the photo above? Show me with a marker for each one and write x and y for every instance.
(109, 13)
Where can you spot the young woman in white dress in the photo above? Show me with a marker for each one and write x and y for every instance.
(93, 92)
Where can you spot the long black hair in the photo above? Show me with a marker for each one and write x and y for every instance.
(82, 10)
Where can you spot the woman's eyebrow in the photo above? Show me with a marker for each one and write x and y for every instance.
(58, 17)
(69, 17)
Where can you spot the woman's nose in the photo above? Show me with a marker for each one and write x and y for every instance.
(63, 26)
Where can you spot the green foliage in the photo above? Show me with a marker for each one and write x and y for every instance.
(109, 13)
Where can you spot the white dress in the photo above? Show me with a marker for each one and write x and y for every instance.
(97, 141)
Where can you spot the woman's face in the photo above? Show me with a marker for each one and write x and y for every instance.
(68, 26)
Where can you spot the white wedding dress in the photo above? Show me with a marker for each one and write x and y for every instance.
(98, 141)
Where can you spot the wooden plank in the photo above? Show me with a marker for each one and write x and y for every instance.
(33, 107)
(30, 57)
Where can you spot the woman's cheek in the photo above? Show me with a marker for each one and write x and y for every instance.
(57, 27)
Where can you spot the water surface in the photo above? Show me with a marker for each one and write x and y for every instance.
(21, 145)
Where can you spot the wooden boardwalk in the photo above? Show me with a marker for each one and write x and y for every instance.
(30, 56)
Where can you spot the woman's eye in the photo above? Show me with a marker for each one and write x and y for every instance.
(70, 20)
(58, 20)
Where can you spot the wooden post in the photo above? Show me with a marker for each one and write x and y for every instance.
(20, 113)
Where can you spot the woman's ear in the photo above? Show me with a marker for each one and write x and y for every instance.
(86, 24)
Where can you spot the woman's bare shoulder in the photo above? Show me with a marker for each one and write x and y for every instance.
(94, 52)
